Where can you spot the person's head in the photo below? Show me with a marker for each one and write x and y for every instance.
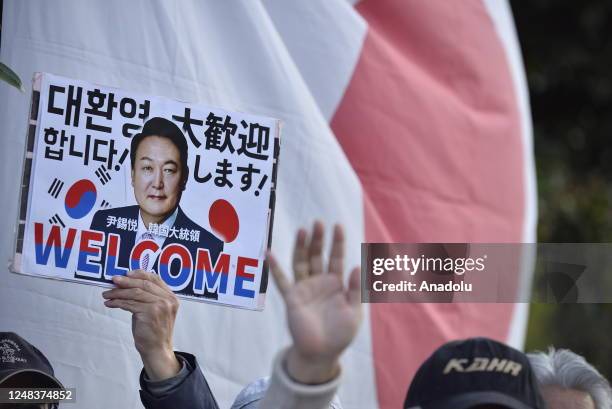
(159, 168)
(567, 380)
(22, 365)
(474, 373)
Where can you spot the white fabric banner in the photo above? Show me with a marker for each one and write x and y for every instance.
(222, 54)
(407, 96)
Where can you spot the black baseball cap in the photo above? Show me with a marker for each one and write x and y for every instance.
(477, 371)
(22, 365)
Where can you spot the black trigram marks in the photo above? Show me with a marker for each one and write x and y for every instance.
(57, 220)
(105, 204)
(55, 188)
(103, 175)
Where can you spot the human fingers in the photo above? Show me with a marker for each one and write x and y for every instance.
(315, 249)
(149, 276)
(135, 294)
(279, 276)
(336, 256)
(300, 256)
(142, 280)
(127, 305)
(354, 288)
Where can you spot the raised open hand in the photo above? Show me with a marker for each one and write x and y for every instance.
(323, 315)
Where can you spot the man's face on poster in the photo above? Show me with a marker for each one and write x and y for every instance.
(157, 178)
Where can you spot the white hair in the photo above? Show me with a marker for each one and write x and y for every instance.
(564, 368)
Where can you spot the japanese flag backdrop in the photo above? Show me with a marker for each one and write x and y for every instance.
(404, 120)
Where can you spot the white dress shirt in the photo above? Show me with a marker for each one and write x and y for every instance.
(159, 240)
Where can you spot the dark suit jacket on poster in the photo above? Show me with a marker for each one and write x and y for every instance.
(128, 238)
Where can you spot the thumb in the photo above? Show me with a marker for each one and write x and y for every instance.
(354, 287)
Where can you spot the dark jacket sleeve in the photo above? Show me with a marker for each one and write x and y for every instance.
(192, 393)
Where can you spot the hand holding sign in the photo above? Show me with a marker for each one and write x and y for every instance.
(323, 315)
(153, 306)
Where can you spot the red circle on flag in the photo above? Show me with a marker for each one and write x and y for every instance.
(224, 220)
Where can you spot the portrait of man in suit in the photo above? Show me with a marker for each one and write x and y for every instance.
(159, 174)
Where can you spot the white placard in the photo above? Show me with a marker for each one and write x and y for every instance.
(92, 208)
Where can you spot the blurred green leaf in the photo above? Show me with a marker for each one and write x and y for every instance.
(9, 76)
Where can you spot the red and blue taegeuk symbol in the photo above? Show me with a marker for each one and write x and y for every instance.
(80, 198)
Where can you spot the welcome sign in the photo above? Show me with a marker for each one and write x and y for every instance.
(116, 181)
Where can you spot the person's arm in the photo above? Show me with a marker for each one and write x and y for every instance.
(166, 381)
(323, 318)
(286, 392)
(188, 389)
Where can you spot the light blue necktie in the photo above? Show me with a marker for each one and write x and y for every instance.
(144, 261)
